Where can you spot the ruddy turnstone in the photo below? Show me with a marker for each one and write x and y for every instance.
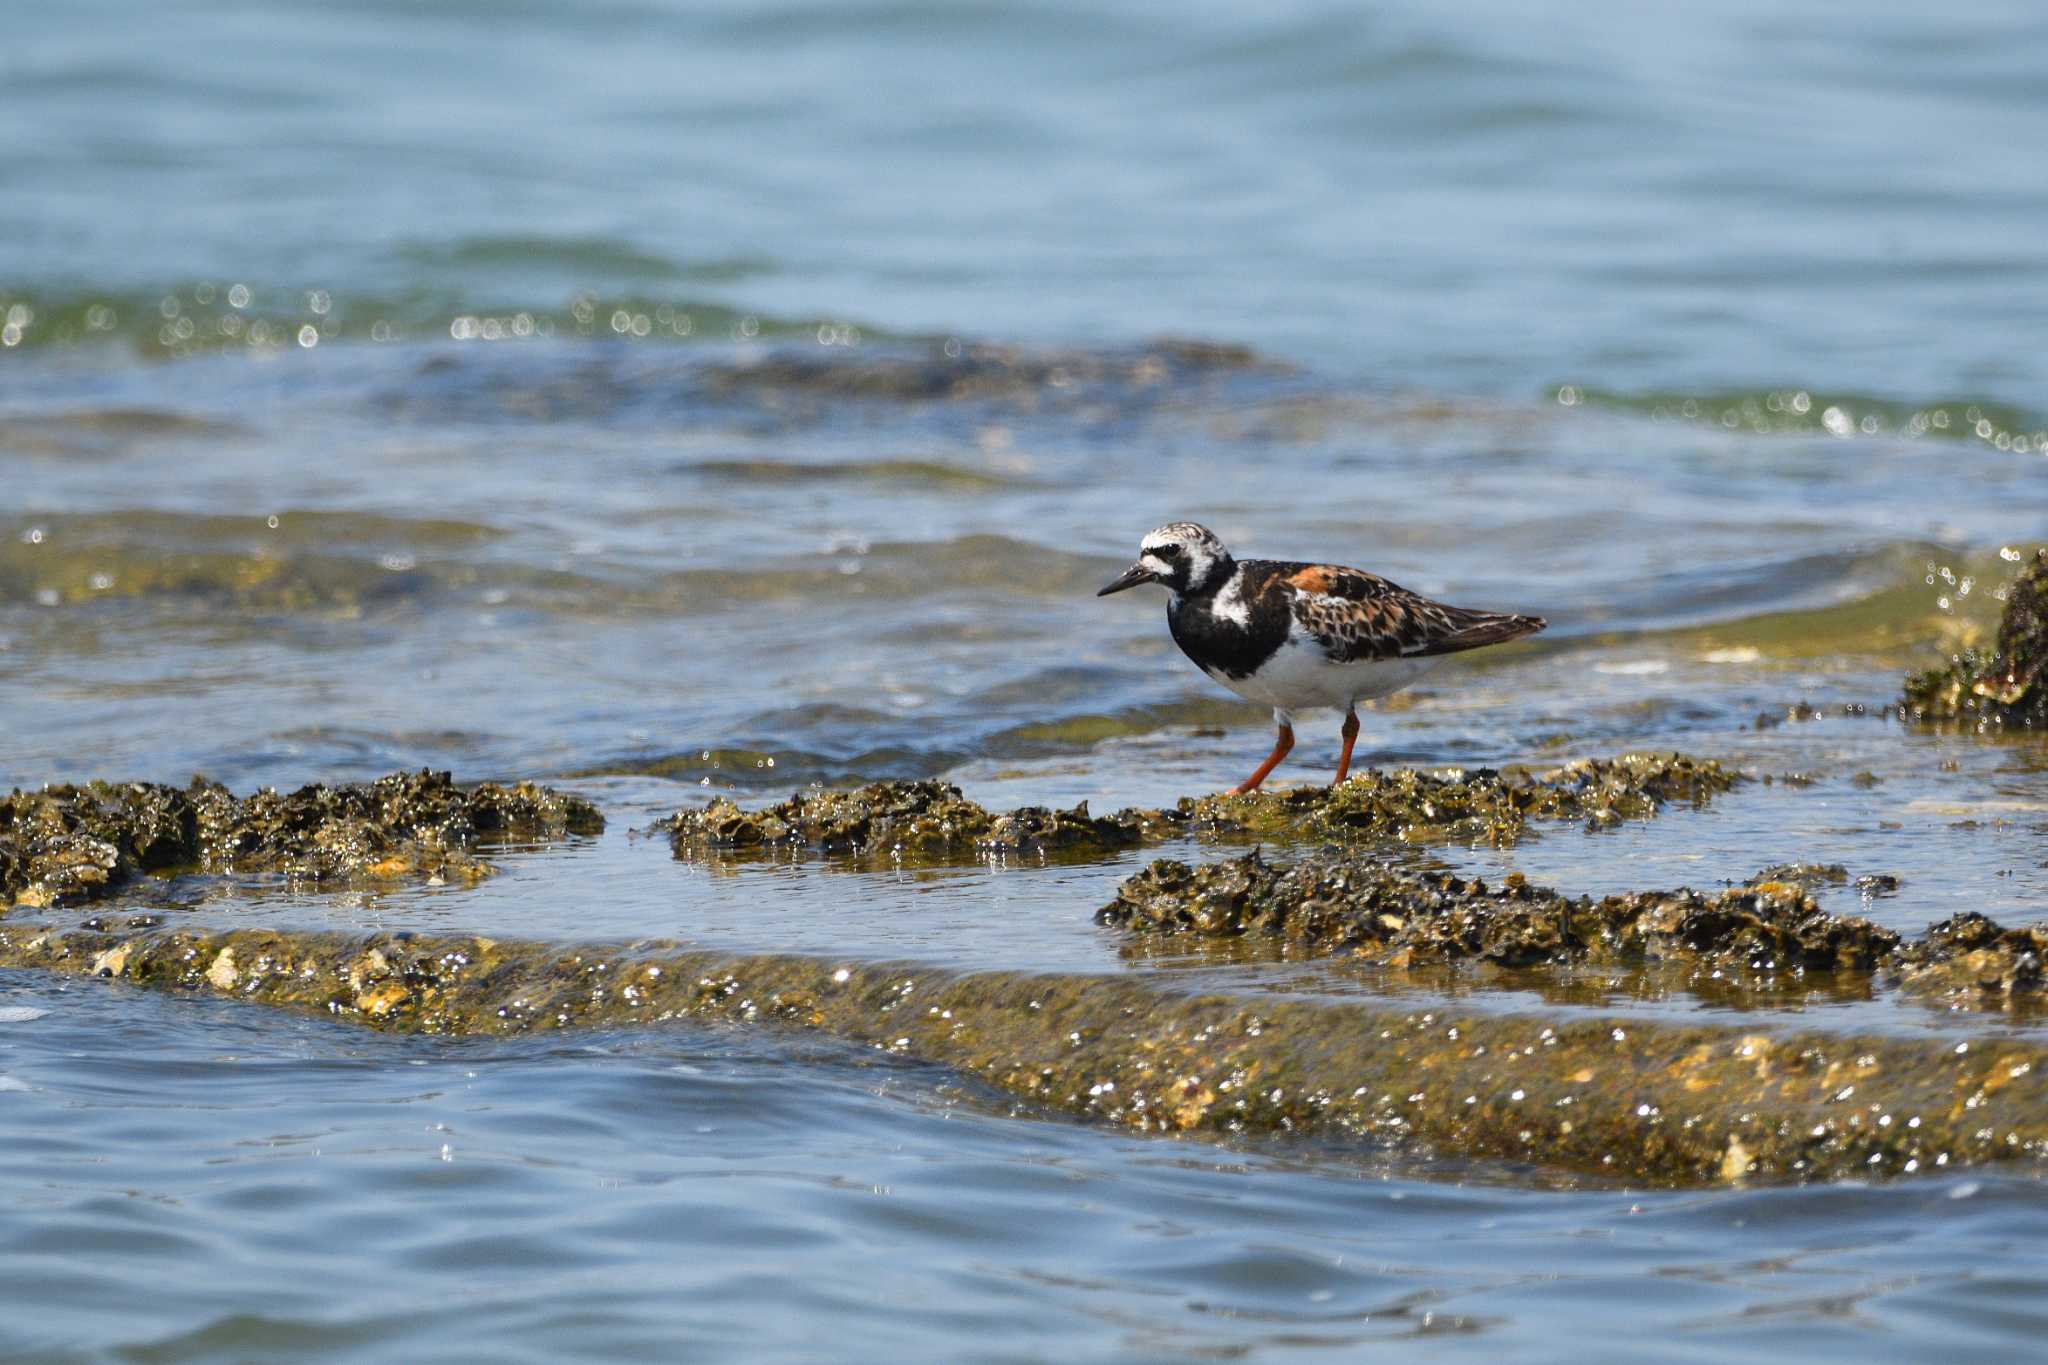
(1295, 636)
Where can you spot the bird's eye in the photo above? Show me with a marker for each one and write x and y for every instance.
(1169, 553)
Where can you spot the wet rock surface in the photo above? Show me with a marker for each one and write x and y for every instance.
(897, 820)
(1634, 1099)
(72, 843)
(1577, 1088)
(1974, 961)
(2006, 686)
(1371, 909)
(1479, 806)
(933, 820)
(1805, 874)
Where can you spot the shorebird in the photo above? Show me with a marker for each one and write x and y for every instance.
(1296, 636)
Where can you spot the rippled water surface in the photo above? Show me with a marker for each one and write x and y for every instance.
(660, 400)
(294, 1187)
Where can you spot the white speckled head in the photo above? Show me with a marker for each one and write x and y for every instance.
(1184, 557)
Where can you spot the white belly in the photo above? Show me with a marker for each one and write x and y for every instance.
(1300, 677)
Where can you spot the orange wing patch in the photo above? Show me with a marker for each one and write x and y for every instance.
(1315, 578)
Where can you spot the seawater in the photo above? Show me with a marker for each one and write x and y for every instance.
(662, 400)
(187, 1181)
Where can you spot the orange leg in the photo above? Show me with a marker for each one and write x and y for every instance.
(1282, 742)
(1350, 733)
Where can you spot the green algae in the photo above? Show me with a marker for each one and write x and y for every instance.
(1478, 807)
(252, 581)
(2005, 687)
(1643, 1100)
(1367, 908)
(71, 843)
(962, 372)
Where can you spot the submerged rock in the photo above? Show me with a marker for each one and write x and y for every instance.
(1483, 806)
(1671, 1101)
(70, 843)
(1805, 874)
(2005, 686)
(956, 373)
(926, 819)
(1346, 903)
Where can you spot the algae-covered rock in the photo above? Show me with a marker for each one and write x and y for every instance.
(1973, 960)
(74, 843)
(1345, 903)
(931, 819)
(1766, 926)
(917, 820)
(1483, 806)
(2005, 686)
(401, 825)
(1673, 1100)
(957, 373)
(70, 843)
(1805, 874)
(1038, 829)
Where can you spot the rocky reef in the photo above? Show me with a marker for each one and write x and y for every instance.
(1479, 806)
(1768, 933)
(1971, 960)
(903, 820)
(1565, 1081)
(1627, 1098)
(1368, 908)
(2005, 686)
(932, 820)
(72, 843)
(958, 372)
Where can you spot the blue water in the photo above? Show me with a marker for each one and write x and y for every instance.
(657, 398)
(296, 1188)
(1485, 199)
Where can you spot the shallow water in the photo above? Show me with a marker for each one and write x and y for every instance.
(193, 1180)
(660, 400)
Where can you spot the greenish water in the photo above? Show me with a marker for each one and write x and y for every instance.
(661, 399)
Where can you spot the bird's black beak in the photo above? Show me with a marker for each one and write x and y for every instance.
(1130, 578)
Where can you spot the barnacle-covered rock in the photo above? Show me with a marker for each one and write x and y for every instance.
(913, 818)
(930, 820)
(1346, 903)
(69, 843)
(399, 825)
(1707, 1098)
(1037, 829)
(1973, 960)
(1481, 806)
(916, 820)
(2002, 687)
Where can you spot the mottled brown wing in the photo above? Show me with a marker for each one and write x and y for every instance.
(1356, 616)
